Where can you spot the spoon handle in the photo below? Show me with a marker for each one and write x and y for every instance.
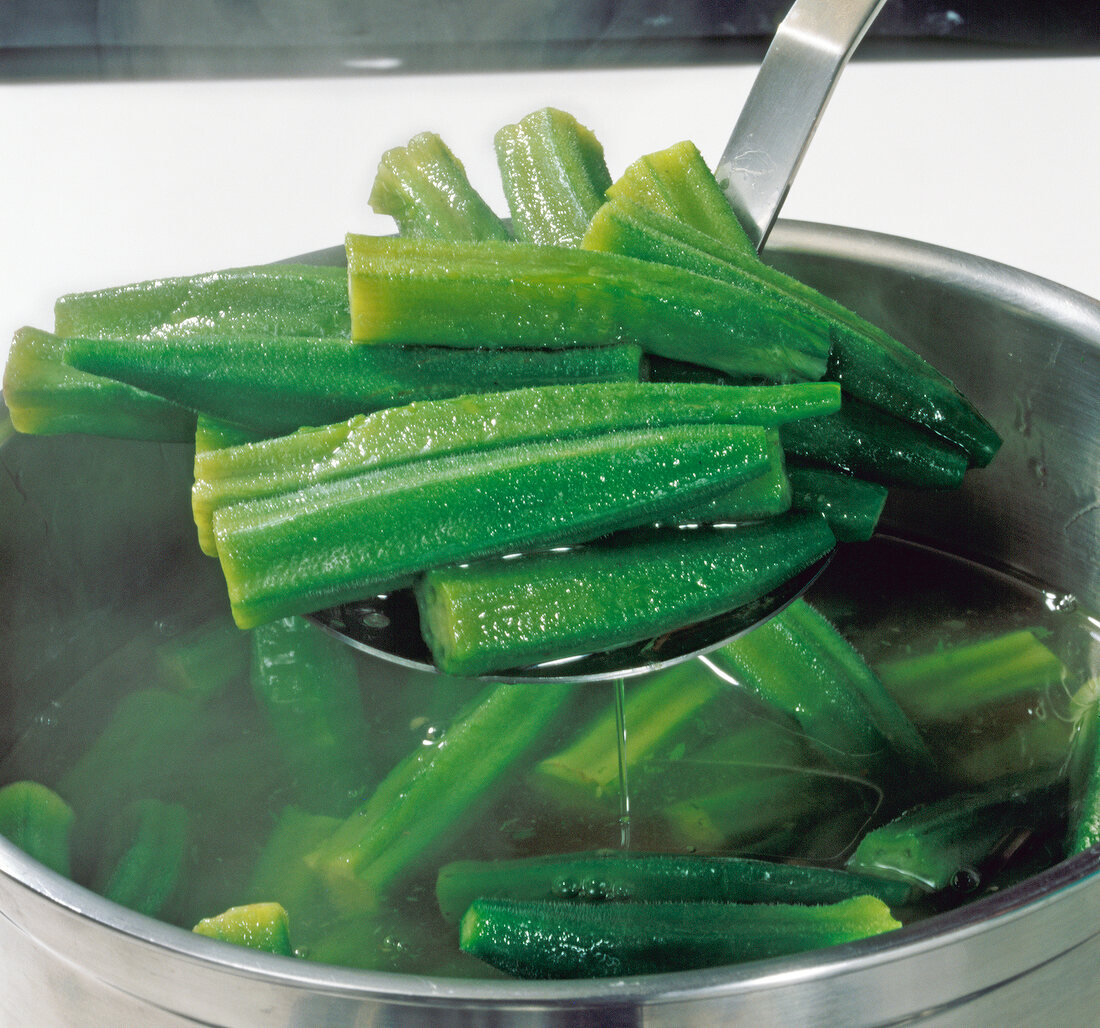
(810, 49)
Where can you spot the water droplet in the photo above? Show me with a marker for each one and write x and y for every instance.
(371, 618)
(432, 734)
(566, 888)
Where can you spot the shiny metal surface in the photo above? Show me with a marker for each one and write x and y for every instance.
(1025, 349)
(792, 88)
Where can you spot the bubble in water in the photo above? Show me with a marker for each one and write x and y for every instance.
(966, 880)
(1060, 603)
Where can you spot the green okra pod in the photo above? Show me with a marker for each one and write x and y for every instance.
(659, 709)
(610, 876)
(266, 300)
(520, 294)
(38, 821)
(799, 663)
(151, 736)
(530, 939)
(142, 861)
(281, 873)
(261, 926)
(434, 792)
(1083, 771)
(871, 365)
(554, 176)
(677, 183)
(766, 496)
(946, 842)
(478, 422)
(496, 615)
(851, 505)
(277, 385)
(306, 685)
(45, 396)
(204, 661)
(334, 542)
(424, 188)
(953, 683)
(871, 444)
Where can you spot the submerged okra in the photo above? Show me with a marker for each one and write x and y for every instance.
(38, 821)
(797, 662)
(497, 615)
(279, 384)
(520, 294)
(434, 792)
(262, 926)
(306, 686)
(144, 855)
(345, 540)
(947, 842)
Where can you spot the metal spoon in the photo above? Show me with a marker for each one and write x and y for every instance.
(795, 81)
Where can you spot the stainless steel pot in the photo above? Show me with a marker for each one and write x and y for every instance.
(88, 524)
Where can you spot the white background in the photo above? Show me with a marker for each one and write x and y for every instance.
(106, 183)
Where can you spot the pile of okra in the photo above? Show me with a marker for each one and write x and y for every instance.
(612, 383)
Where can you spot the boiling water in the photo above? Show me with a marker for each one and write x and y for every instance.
(622, 766)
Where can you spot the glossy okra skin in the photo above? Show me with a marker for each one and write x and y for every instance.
(424, 188)
(478, 422)
(519, 294)
(851, 505)
(45, 396)
(866, 442)
(530, 939)
(498, 615)
(610, 876)
(38, 821)
(434, 792)
(799, 663)
(279, 384)
(267, 300)
(554, 176)
(766, 496)
(262, 926)
(677, 183)
(871, 365)
(348, 539)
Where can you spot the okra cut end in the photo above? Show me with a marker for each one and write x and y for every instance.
(259, 926)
